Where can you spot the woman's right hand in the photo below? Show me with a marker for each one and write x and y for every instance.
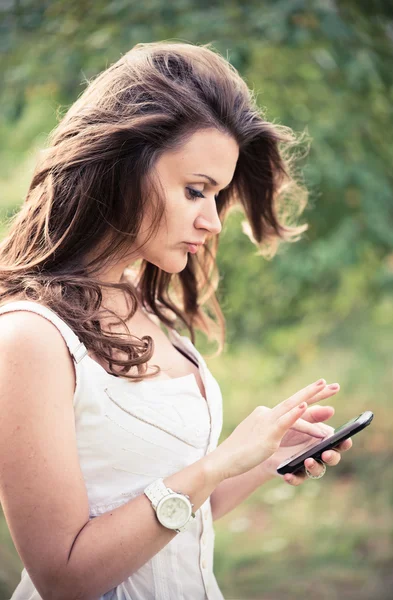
(259, 435)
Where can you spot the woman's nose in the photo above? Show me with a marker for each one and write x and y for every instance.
(209, 222)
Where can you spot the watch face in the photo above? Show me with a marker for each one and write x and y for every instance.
(173, 512)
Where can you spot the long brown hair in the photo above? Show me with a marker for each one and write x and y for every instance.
(92, 183)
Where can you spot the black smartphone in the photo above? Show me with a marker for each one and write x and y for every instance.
(296, 462)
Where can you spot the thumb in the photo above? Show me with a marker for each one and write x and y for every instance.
(316, 414)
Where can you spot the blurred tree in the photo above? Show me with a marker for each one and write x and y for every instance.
(327, 69)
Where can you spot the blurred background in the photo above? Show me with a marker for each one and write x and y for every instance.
(323, 307)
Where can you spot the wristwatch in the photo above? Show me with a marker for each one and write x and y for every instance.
(173, 509)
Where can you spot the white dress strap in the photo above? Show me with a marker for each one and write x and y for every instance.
(77, 349)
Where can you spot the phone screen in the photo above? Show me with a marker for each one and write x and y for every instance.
(346, 424)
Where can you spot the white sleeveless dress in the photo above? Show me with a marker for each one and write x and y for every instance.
(128, 435)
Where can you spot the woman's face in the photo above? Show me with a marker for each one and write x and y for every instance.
(190, 204)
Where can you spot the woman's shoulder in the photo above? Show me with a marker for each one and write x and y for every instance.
(30, 343)
(23, 324)
(34, 333)
(26, 328)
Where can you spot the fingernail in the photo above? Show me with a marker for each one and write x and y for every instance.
(321, 382)
(333, 386)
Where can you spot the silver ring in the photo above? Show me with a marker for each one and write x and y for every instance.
(310, 476)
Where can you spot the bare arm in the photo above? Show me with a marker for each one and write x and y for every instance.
(113, 546)
(231, 492)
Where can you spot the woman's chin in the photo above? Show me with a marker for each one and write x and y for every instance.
(172, 266)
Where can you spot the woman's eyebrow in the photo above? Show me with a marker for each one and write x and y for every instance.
(212, 181)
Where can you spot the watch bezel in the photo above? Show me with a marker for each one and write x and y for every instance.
(171, 497)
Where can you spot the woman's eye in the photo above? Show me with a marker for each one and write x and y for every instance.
(196, 194)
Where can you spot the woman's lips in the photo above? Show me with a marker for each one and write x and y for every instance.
(193, 248)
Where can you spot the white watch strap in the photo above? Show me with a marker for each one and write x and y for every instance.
(157, 490)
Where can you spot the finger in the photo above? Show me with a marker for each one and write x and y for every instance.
(295, 478)
(287, 420)
(344, 446)
(331, 457)
(327, 392)
(303, 426)
(313, 466)
(302, 396)
(317, 414)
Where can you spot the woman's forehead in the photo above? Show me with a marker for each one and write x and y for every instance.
(207, 152)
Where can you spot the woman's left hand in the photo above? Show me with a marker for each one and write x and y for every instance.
(294, 442)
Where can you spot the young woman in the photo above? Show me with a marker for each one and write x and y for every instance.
(111, 476)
